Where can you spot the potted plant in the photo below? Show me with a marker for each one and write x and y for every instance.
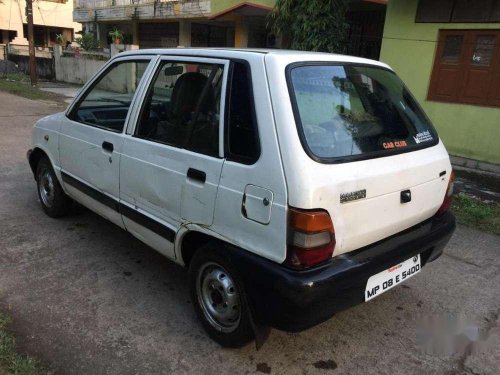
(60, 39)
(116, 35)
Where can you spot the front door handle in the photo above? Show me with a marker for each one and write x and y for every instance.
(107, 146)
(197, 175)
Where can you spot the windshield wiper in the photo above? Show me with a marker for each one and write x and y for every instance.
(108, 100)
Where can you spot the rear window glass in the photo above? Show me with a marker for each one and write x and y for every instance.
(356, 111)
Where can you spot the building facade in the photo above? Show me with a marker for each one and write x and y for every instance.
(448, 53)
(212, 23)
(50, 18)
(172, 23)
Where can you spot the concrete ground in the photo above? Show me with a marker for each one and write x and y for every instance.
(66, 90)
(88, 298)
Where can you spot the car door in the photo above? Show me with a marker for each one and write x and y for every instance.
(91, 139)
(172, 159)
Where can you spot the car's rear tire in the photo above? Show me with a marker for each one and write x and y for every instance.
(219, 298)
(55, 203)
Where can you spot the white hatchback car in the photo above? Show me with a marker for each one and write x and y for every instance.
(292, 185)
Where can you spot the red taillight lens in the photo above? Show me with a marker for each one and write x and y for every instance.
(448, 198)
(311, 238)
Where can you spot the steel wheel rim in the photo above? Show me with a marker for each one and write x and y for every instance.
(218, 297)
(46, 187)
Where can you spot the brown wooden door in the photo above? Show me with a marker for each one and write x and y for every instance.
(479, 64)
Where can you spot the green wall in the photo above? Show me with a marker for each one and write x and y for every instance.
(409, 47)
(220, 5)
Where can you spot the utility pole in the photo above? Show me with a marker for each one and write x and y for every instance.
(29, 15)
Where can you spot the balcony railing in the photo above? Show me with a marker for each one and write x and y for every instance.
(114, 10)
(93, 4)
(23, 50)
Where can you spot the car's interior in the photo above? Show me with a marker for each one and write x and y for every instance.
(355, 110)
(183, 109)
(107, 103)
(111, 116)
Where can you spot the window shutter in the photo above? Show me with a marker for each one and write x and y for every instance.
(472, 11)
(495, 13)
(478, 66)
(467, 68)
(447, 73)
(434, 11)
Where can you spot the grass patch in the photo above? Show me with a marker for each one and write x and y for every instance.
(19, 84)
(475, 213)
(12, 363)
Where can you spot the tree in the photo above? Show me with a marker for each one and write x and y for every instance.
(312, 25)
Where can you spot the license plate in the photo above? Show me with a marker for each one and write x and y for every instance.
(385, 280)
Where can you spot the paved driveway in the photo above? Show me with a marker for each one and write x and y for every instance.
(65, 90)
(87, 298)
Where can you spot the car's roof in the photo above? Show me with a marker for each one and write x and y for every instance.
(218, 50)
(282, 55)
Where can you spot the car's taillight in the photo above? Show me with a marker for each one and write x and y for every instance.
(448, 198)
(311, 238)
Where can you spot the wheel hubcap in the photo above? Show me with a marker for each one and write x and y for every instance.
(218, 297)
(46, 188)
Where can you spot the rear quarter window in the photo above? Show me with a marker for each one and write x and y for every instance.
(242, 132)
(349, 112)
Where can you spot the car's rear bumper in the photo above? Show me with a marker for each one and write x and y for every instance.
(296, 300)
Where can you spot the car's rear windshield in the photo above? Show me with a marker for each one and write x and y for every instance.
(355, 112)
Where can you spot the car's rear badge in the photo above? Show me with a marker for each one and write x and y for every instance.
(352, 196)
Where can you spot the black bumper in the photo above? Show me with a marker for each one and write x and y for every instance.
(296, 300)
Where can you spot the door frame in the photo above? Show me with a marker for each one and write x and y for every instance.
(103, 70)
(131, 125)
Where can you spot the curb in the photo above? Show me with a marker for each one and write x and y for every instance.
(475, 166)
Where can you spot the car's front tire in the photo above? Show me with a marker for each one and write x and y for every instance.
(55, 203)
(219, 298)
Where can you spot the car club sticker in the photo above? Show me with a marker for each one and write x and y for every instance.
(423, 137)
(394, 144)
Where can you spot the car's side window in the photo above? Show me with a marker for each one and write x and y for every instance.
(182, 107)
(108, 100)
(241, 130)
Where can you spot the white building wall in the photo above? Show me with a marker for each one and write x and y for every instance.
(45, 13)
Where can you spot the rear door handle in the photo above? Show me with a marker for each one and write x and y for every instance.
(107, 146)
(197, 175)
